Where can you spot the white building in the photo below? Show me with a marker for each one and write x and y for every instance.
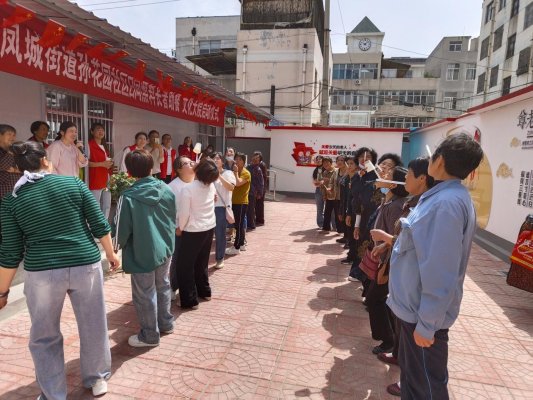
(399, 92)
(504, 58)
(275, 54)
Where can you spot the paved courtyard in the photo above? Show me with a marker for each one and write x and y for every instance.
(285, 324)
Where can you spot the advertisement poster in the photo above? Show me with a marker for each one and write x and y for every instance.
(305, 154)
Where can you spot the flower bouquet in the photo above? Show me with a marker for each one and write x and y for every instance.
(118, 183)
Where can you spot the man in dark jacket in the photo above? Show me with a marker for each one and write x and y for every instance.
(256, 190)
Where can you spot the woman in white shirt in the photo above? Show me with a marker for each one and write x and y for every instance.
(65, 153)
(141, 138)
(224, 187)
(196, 217)
(184, 168)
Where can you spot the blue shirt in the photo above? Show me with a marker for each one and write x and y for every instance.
(429, 259)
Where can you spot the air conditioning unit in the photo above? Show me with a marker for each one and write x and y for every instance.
(375, 108)
(358, 81)
(430, 109)
(355, 108)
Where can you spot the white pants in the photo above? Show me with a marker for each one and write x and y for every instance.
(103, 198)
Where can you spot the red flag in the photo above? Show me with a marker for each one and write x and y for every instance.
(98, 50)
(53, 34)
(3, 2)
(20, 15)
(77, 41)
(140, 70)
(118, 55)
(168, 83)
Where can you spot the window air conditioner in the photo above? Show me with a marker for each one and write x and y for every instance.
(375, 108)
(355, 108)
(430, 109)
(358, 81)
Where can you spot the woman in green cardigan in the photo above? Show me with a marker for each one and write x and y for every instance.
(50, 222)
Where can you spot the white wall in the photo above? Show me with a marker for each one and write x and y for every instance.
(282, 145)
(21, 103)
(498, 128)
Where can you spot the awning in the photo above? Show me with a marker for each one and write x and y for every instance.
(78, 20)
(223, 62)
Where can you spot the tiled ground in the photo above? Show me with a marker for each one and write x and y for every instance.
(283, 324)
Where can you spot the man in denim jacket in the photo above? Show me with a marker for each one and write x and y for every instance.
(428, 266)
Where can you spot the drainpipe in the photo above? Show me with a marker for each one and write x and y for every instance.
(193, 33)
(304, 71)
(244, 53)
(489, 55)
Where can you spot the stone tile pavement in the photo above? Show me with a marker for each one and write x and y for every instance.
(285, 324)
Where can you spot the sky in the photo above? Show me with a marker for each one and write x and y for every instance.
(413, 28)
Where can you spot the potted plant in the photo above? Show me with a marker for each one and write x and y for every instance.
(118, 183)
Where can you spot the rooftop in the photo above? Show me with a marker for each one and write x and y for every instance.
(366, 26)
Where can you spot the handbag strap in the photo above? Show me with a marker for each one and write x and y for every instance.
(221, 198)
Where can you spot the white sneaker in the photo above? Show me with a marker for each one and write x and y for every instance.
(100, 387)
(232, 251)
(219, 264)
(134, 341)
(173, 295)
(243, 247)
(352, 279)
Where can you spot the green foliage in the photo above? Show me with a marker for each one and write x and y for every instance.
(118, 183)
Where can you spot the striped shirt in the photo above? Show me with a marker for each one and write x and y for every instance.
(51, 224)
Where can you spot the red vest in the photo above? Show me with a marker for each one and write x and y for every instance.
(98, 176)
(186, 151)
(164, 164)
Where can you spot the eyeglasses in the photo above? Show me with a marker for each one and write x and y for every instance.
(191, 163)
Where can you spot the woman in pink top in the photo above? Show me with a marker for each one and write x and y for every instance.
(65, 154)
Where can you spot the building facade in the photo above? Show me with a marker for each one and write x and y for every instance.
(399, 92)
(273, 58)
(504, 57)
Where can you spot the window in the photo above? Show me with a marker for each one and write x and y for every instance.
(523, 61)
(450, 100)
(502, 5)
(102, 112)
(484, 51)
(355, 71)
(209, 46)
(498, 38)
(481, 83)
(400, 122)
(510, 46)
(528, 17)
(471, 72)
(456, 45)
(63, 106)
(389, 73)
(494, 76)
(452, 73)
(515, 8)
(506, 86)
(489, 12)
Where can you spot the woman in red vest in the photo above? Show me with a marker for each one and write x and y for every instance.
(185, 149)
(100, 165)
(141, 138)
(169, 155)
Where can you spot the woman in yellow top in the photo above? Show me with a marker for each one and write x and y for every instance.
(240, 203)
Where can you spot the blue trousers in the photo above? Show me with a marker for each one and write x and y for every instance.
(220, 233)
(45, 294)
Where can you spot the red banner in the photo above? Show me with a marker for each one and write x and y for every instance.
(21, 54)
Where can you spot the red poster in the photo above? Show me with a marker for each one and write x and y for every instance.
(20, 54)
(523, 250)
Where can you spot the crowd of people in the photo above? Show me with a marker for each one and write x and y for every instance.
(408, 232)
(164, 225)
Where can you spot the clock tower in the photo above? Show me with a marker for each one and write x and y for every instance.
(366, 38)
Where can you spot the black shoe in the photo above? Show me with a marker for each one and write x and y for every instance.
(259, 224)
(341, 240)
(382, 348)
(347, 261)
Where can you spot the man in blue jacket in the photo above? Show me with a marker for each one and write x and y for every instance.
(428, 266)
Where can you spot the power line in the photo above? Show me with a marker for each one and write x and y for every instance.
(135, 5)
(107, 2)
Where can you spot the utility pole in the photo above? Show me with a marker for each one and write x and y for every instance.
(325, 72)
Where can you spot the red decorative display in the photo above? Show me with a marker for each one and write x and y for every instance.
(523, 250)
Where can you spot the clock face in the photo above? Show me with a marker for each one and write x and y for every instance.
(365, 44)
